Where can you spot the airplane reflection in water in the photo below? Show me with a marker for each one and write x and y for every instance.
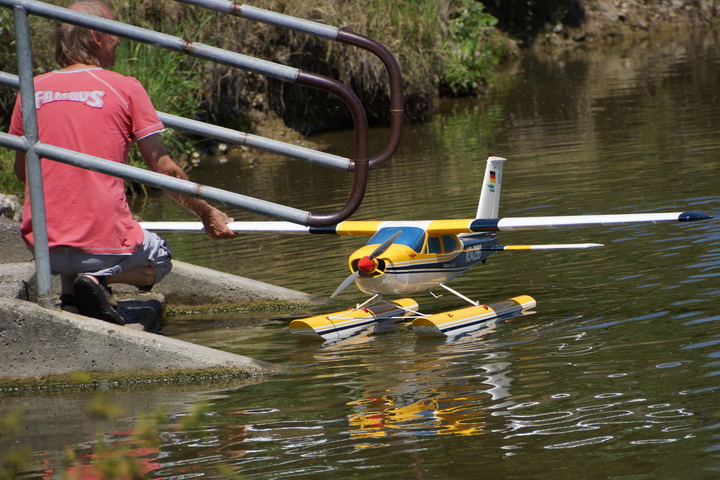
(425, 395)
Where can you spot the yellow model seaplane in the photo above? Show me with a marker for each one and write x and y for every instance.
(405, 257)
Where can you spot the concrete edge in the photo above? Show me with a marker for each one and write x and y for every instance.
(40, 343)
(189, 285)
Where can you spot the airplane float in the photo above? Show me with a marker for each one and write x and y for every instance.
(405, 257)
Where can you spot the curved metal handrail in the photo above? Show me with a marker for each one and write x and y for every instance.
(362, 147)
(397, 100)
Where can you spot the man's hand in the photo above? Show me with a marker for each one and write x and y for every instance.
(158, 160)
(216, 224)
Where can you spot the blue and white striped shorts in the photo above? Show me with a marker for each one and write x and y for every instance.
(153, 252)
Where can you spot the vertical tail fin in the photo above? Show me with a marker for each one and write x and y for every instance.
(490, 195)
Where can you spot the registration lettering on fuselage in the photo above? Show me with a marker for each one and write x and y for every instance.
(473, 255)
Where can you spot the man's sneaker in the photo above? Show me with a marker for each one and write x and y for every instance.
(96, 299)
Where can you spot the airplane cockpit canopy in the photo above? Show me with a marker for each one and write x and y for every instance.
(413, 237)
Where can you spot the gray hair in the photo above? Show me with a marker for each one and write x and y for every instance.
(74, 44)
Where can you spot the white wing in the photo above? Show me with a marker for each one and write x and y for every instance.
(362, 227)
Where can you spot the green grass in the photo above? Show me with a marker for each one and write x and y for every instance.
(173, 81)
(9, 184)
(173, 85)
(446, 46)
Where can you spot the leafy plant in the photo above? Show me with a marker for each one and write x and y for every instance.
(9, 184)
(17, 458)
(173, 81)
(472, 49)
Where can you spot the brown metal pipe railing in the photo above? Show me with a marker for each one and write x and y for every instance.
(360, 166)
(397, 99)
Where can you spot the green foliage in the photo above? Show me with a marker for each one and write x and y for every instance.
(116, 462)
(108, 459)
(9, 184)
(147, 429)
(14, 461)
(173, 84)
(226, 471)
(119, 459)
(196, 418)
(7, 64)
(102, 409)
(472, 49)
(173, 81)
(10, 424)
(17, 458)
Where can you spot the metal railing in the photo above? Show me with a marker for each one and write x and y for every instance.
(336, 34)
(359, 165)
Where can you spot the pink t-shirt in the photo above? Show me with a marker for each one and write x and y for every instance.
(100, 113)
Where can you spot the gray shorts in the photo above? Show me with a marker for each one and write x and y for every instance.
(153, 252)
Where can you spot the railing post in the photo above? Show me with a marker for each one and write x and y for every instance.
(34, 172)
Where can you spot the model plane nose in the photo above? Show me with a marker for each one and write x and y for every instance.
(367, 265)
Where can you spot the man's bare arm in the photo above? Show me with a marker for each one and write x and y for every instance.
(158, 160)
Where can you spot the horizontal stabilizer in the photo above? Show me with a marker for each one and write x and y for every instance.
(560, 246)
(570, 221)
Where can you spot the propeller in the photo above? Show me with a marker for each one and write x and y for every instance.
(367, 263)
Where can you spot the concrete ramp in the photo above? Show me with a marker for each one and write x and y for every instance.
(189, 285)
(37, 342)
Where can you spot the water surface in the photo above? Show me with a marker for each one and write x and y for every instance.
(614, 376)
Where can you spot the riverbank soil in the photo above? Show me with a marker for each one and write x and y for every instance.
(597, 21)
(567, 24)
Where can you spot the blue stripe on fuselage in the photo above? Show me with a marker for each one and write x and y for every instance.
(470, 255)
